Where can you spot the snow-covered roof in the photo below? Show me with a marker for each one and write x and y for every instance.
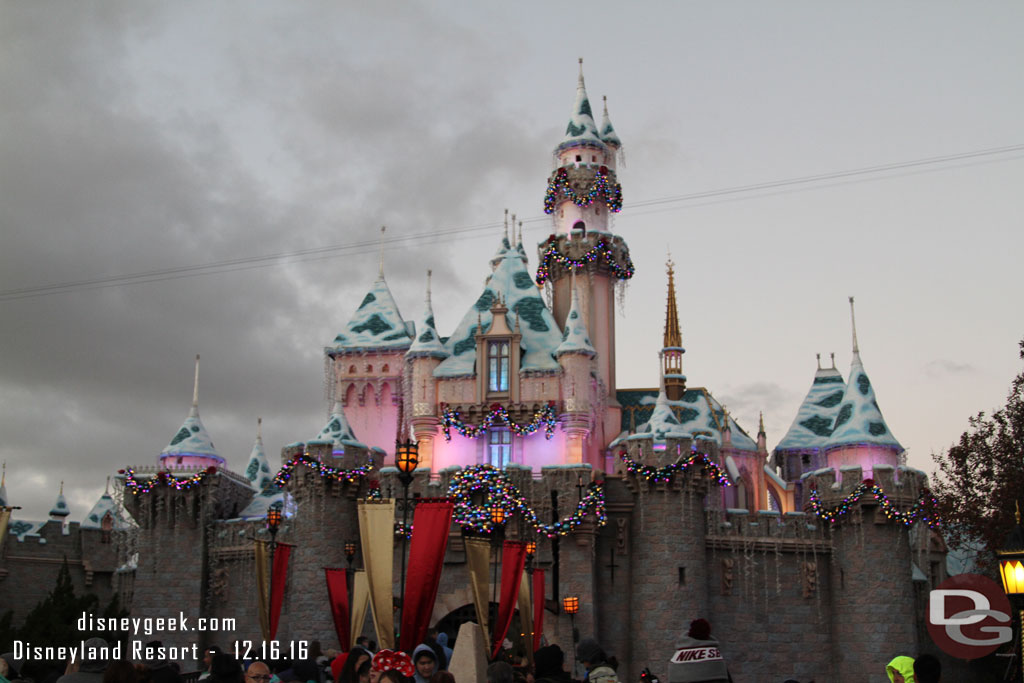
(581, 128)
(191, 439)
(540, 334)
(94, 520)
(608, 134)
(337, 431)
(812, 425)
(60, 506)
(575, 338)
(427, 342)
(376, 324)
(21, 528)
(859, 419)
(257, 471)
(697, 413)
(268, 497)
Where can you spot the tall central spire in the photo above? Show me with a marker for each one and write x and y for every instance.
(672, 348)
(195, 392)
(672, 334)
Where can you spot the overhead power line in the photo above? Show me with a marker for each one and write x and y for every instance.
(445, 234)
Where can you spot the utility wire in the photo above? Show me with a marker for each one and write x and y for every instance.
(332, 251)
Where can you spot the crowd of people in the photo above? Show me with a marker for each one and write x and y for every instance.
(697, 659)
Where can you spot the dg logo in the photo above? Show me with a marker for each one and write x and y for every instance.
(969, 616)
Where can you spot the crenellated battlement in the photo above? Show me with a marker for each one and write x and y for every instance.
(902, 485)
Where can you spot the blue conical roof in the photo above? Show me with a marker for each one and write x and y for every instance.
(581, 128)
(608, 134)
(859, 420)
(813, 423)
(257, 471)
(94, 520)
(376, 324)
(540, 334)
(337, 431)
(427, 342)
(575, 338)
(60, 506)
(191, 439)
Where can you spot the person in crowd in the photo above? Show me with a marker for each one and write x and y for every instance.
(363, 674)
(697, 657)
(927, 669)
(12, 665)
(431, 640)
(4, 670)
(901, 669)
(305, 671)
(595, 661)
(442, 677)
(363, 642)
(258, 672)
(500, 672)
(208, 655)
(156, 670)
(549, 665)
(350, 667)
(91, 665)
(442, 640)
(224, 668)
(425, 660)
(387, 660)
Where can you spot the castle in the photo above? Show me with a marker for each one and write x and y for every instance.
(810, 561)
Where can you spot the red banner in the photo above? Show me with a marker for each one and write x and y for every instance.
(513, 557)
(431, 523)
(279, 573)
(337, 594)
(538, 607)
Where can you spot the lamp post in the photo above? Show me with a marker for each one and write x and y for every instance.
(406, 460)
(531, 552)
(1011, 570)
(350, 555)
(497, 529)
(571, 605)
(274, 518)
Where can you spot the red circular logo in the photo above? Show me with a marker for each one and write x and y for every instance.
(969, 616)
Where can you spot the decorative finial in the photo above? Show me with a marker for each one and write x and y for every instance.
(833, 354)
(517, 322)
(195, 388)
(818, 356)
(520, 232)
(853, 326)
(3, 475)
(429, 274)
(669, 263)
(106, 490)
(506, 223)
(513, 226)
(604, 99)
(62, 487)
(259, 428)
(760, 423)
(381, 267)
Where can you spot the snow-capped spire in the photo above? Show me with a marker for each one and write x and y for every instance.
(427, 342)
(853, 328)
(191, 445)
(258, 469)
(376, 324)
(503, 246)
(581, 128)
(812, 425)
(337, 431)
(608, 134)
(575, 338)
(195, 392)
(60, 508)
(519, 246)
(672, 346)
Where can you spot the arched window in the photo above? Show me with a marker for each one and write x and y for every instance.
(369, 368)
(351, 369)
(497, 365)
(384, 368)
(499, 446)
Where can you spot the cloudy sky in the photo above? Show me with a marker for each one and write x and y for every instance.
(182, 178)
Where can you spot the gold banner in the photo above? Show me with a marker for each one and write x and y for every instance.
(377, 532)
(526, 615)
(478, 559)
(360, 602)
(5, 519)
(263, 587)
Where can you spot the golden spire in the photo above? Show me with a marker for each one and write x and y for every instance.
(672, 336)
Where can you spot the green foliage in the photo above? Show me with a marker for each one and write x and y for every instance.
(981, 478)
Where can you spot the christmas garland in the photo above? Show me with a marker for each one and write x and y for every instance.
(502, 493)
(926, 507)
(601, 249)
(499, 415)
(710, 468)
(558, 186)
(163, 478)
(285, 473)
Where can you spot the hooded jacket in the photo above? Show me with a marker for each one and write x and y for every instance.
(423, 650)
(903, 665)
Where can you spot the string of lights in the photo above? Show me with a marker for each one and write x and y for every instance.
(601, 250)
(163, 478)
(341, 475)
(558, 186)
(545, 417)
(925, 509)
(663, 474)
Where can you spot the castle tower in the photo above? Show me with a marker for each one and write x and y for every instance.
(257, 471)
(191, 447)
(860, 436)
(801, 449)
(582, 191)
(59, 512)
(423, 357)
(672, 349)
(575, 354)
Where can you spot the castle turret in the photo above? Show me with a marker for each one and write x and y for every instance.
(575, 354)
(608, 134)
(801, 449)
(582, 191)
(59, 511)
(423, 357)
(191, 447)
(762, 437)
(860, 436)
(672, 349)
(257, 471)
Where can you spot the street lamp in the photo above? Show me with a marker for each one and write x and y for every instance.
(531, 552)
(406, 460)
(1011, 570)
(274, 518)
(571, 605)
(350, 552)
